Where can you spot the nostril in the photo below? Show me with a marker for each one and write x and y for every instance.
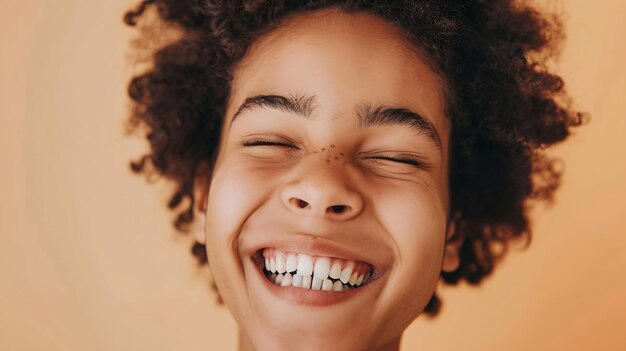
(299, 203)
(338, 209)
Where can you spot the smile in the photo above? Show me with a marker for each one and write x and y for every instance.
(303, 271)
(317, 273)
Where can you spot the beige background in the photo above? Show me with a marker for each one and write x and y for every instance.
(89, 260)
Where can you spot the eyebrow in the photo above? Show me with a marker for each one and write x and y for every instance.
(381, 115)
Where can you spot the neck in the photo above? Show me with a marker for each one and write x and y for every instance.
(246, 345)
(244, 342)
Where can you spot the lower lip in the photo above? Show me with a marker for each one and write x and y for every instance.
(308, 297)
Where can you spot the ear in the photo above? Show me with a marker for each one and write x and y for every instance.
(451, 259)
(201, 195)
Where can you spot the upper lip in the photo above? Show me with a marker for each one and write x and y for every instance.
(318, 246)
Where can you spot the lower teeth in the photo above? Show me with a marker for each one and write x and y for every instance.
(299, 281)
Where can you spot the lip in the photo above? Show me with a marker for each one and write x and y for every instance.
(307, 297)
(319, 246)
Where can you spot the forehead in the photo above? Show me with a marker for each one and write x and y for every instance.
(343, 59)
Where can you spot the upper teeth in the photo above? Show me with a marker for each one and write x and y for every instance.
(305, 271)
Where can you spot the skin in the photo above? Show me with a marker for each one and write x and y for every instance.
(395, 215)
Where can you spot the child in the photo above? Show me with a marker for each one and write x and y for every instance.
(347, 155)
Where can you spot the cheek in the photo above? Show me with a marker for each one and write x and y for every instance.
(416, 225)
(233, 194)
(417, 228)
(415, 219)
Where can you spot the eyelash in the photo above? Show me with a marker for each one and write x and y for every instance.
(265, 142)
(402, 159)
(399, 159)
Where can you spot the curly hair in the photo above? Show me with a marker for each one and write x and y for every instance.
(505, 105)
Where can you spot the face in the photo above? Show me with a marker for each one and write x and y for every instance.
(328, 201)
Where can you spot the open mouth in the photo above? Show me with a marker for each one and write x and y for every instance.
(300, 270)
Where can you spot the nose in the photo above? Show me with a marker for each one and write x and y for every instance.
(323, 192)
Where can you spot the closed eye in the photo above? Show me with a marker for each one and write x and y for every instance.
(403, 159)
(265, 142)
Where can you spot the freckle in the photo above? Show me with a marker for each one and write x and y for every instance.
(332, 145)
(341, 153)
(314, 152)
(323, 149)
(336, 158)
(327, 160)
